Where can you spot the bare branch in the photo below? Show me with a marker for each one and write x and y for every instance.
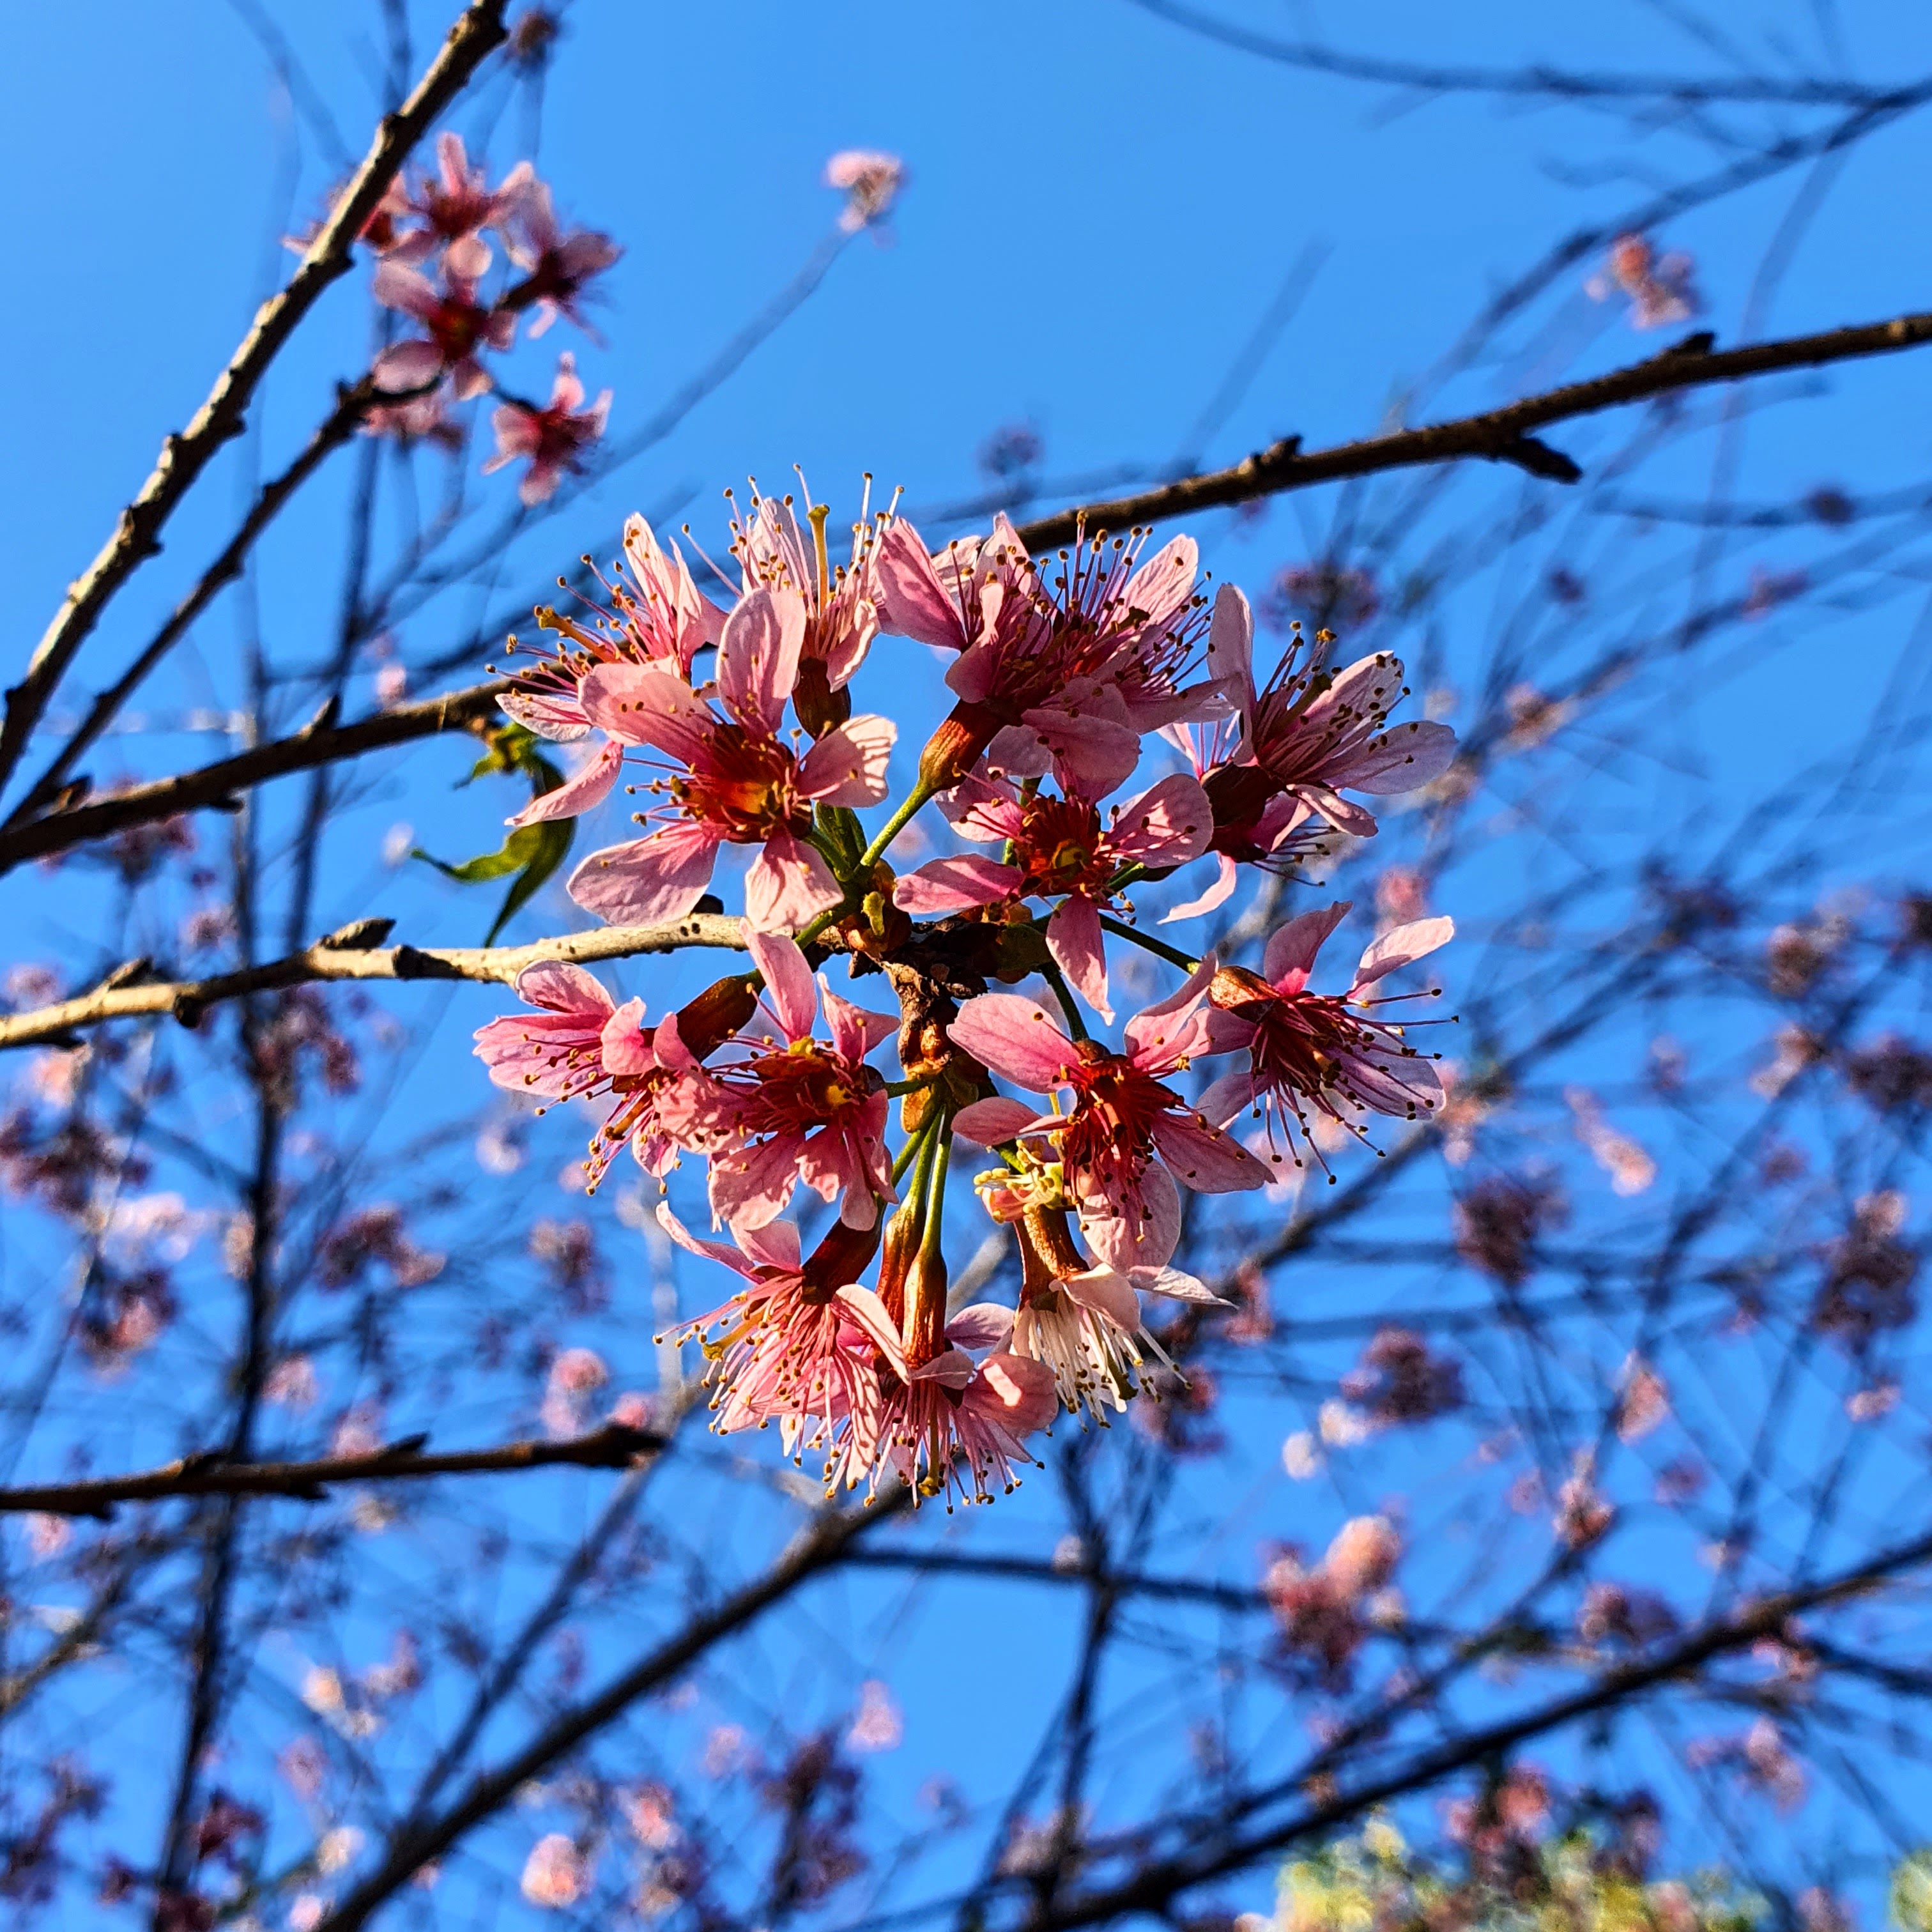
(613, 1447)
(348, 955)
(137, 536)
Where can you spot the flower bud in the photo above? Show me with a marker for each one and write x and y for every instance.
(954, 749)
(706, 1023)
(839, 1260)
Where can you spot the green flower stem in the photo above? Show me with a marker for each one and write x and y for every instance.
(1050, 972)
(914, 799)
(1160, 948)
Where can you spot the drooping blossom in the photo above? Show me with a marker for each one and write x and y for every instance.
(557, 264)
(734, 780)
(1661, 287)
(1275, 770)
(1059, 847)
(799, 1342)
(556, 1873)
(1127, 1137)
(840, 602)
(551, 439)
(795, 1108)
(456, 328)
(1319, 1054)
(1059, 668)
(656, 617)
(871, 181)
(1320, 1607)
(581, 1044)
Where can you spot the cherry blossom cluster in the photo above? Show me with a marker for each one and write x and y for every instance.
(436, 239)
(731, 720)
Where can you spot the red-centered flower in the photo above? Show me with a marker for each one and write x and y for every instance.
(840, 602)
(1059, 669)
(1124, 1122)
(1274, 772)
(656, 616)
(581, 1044)
(551, 439)
(795, 1108)
(800, 1341)
(457, 327)
(952, 1426)
(455, 205)
(871, 180)
(1319, 1052)
(733, 781)
(1059, 848)
(557, 266)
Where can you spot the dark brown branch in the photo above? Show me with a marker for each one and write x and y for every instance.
(613, 1447)
(137, 536)
(353, 404)
(1498, 435)
(351, 955)
(322, 741)
(819, 1548)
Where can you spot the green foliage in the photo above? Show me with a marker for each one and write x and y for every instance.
(531, 853)
(1911, 1892)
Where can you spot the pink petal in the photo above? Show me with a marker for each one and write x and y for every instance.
(1205, 1158)
(1015, 1038)
(751, 1185)
(855, 1031)
(662, 877)
(1404, 758)
(1230, 651)
(622, 1045)
(951, 1369)
(1160, 1036)
(1016, 1392)
(1019, 751)
(1396, 949)
(985, 810)
(789, 884)
(561, 720)
(591, 786)
(1075, 939)
(715, 1251)
(913, 603)
(986, 1324)
(562, 988)
(1218, 894)
(1108, 1292)
(848, 766)
(990, 1122)
(868, 1312)
(951, 885)
(638, 705)
(1178, 1286)
(407, 365)
(789, 986)
(1226, 1097)
(775, 1245)
(1146, 1235)
(1289, 956)
(1162, 585)
(1091, 756)
(757, 658)
(1168, 824)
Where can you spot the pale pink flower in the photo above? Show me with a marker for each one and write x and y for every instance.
(734, 780)
(1061, 668)
(1122, 1117)
(657, 617)
(456, 328)
(1059, 847)
(454, 206)
(556, 1874)
(796, 1108)
(800, 1342)
(575, 1376)
(292, 1382)
(1310, 1053)
(557, 266)
(1661, 288)
(1630, 1169)
(552, 439)
(581, 1044)
(871, 180)
(876, 1726)
(1275, 771)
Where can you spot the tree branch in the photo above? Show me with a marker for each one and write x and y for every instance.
(136, 535)
(613, 1447)
(349, 955)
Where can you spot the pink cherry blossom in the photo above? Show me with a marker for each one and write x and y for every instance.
(871, 180)
(656, 616)
(951, 1425)
(557, 266)
(1319, 1053)
(1059, 847)
(581, 1044)
(457, 327)
(1059, 668)
(792, 1108)
(1275, 770)
(552, 439)
(733, 780)
(800, 1340)
(1123, 1123)
(455, 204)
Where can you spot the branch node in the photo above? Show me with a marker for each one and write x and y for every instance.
(359, 935)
